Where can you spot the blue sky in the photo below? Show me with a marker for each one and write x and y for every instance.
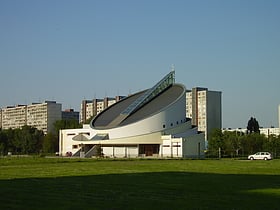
(70, 50)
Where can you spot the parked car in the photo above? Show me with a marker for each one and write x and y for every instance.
(260, 156)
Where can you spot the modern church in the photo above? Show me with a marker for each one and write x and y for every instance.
(149, 123)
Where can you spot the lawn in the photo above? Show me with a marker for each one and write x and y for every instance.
(68, 183)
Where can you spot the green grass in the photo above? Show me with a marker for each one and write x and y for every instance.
(65, 183)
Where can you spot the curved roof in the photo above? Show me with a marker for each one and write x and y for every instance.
(109, 117)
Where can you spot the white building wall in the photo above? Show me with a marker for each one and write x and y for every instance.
(43, 115)
(89, 110)
(67, 144)
(120, 151)
(202, 111)
(128, 147)
(165, 119)
(111, 102)
(171, 147)
(189, 104)
(14, 117)
(100, 106)
(194, 146)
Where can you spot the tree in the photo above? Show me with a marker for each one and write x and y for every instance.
(215, 141)
(30, 139)
(253, 126)
(66, 124)
(3, 143)
(253, 143)
(50, 143)
(272, 144)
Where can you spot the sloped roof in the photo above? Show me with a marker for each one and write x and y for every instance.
(163, 99)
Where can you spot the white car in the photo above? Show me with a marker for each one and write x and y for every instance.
(260, 156)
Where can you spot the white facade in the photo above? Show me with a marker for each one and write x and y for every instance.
(41, 116)
(14, 117)
(191, 145)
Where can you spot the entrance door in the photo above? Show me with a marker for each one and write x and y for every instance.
(148, 149)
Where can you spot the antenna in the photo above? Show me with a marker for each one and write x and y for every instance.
(172, 68)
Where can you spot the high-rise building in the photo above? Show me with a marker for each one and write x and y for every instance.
(14, 117)
(204, 107)
(90, 108)
(39, 115)
(70, 114)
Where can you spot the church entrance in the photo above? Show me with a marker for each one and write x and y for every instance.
(148, 149)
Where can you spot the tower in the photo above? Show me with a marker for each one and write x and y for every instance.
(204, 108)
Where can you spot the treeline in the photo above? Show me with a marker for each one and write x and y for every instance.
(238, 144)
(30, 140)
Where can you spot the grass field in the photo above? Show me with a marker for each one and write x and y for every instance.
(65, 183)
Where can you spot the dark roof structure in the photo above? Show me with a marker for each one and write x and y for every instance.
(140, 105)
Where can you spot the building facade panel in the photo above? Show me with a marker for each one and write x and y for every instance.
(14, 117)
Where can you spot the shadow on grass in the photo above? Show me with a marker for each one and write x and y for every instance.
(166, 190)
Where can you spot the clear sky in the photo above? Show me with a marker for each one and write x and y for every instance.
(70, 50)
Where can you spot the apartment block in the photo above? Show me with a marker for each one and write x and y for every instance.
(13, 117)
(90, 108)
(39, 115)
(70, 114)
(204, 107)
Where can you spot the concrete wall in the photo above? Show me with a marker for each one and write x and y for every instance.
(172, 147)
(120, 151)
(194, 146)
